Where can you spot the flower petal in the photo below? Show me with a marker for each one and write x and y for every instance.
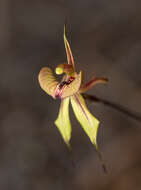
(86, 119)
(68, 50)
(73, 87)
(47, 81)
(91, 83)
(63, 121)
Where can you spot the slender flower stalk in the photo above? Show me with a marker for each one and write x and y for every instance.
(69, 90)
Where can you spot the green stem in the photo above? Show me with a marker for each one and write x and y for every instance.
(113, 105)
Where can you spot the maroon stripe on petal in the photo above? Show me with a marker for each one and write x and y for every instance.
(79, 103)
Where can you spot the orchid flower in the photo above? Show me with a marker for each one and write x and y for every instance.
(70, 89)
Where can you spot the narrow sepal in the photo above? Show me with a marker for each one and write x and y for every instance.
(68, 50)
(91, 83)
(63, 122)
(88, 122)
(47, 81)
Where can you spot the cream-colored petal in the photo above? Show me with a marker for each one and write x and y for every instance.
(63, 122)
(88, 122)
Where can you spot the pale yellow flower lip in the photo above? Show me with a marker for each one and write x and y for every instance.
(64, 89)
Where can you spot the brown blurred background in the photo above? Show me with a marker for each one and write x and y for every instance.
(105, 38)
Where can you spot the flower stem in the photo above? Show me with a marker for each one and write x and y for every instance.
(113, 105)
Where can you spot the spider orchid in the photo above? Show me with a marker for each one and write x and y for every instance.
(70, 89)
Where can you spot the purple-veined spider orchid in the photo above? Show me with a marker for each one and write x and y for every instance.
(70, 89)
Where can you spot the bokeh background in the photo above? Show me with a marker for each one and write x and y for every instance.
(105, 38)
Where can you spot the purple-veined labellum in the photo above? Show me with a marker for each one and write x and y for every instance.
(61, 86)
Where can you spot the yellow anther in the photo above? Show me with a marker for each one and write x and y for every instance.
(59, 70)
(64, 68)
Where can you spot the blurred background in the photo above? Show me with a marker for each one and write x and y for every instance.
(105, 37)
